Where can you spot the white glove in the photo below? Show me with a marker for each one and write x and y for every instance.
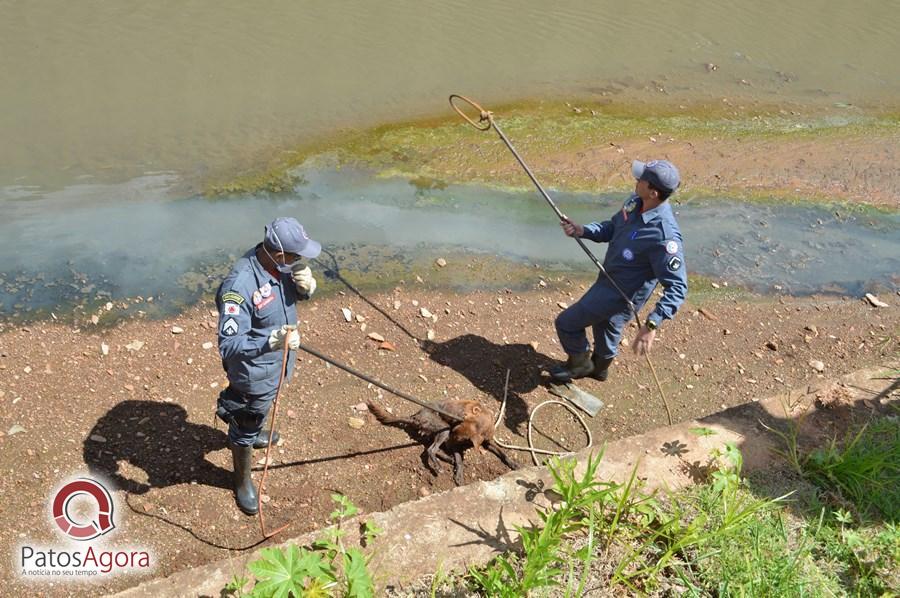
(285, 334)
(303, 278)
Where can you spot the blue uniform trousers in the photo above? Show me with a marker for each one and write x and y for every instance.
(604, 309)
(244, 414)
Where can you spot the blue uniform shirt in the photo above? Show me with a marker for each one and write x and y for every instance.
(644, 249)
(252, 303)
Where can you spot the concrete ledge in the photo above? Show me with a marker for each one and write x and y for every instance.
(469, 525)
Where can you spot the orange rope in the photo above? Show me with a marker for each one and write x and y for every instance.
(262, 481)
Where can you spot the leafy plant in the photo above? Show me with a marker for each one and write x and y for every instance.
(354, 564)
(292, 572)
(328, 569)
(867, 558)
(721, 511)
(864, 468)
(718, 538)
(236, 586)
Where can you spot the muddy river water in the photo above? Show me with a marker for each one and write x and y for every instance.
(113, 90)
(108, 106)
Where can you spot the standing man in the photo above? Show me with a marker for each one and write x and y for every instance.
(257, 321)
(644, 248)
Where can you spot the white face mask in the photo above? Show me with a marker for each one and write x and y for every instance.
(284, 267)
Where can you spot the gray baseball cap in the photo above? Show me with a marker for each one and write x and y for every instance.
(287, 235)
(662, 174)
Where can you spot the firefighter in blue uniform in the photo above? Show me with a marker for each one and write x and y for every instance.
(257, 322)
(645, 247)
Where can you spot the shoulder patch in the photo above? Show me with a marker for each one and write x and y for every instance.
(671, 247)
(231, 309)
(232, 296)
(674, 263)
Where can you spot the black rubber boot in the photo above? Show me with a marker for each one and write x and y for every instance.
(577, 366)
(262, 441)
(601, 367)
(244, 490)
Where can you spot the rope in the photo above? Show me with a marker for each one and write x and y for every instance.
(530, 448)
(487, 117)
(262, 481)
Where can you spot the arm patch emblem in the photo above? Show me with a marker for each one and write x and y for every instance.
(674, 263)
(232, 296)
(230, 327)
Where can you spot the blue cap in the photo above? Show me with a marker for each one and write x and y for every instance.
(287, 236)
(662, 174)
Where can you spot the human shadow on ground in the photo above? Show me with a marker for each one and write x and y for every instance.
(157, 439)
(484, 364)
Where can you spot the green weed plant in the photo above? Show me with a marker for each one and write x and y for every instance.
(328, 569)
(544, 553)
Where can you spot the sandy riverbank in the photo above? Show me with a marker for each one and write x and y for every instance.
(741, 150)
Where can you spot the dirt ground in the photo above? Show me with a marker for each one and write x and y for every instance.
(143, 416)
(832, 169)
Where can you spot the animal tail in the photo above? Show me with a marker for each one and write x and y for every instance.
(386, 418)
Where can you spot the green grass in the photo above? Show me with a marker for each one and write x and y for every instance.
(721, 538)
(835, 536)
(864, 468)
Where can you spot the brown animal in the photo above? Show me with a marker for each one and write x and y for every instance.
(477, 427)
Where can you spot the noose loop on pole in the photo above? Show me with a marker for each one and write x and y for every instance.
(485, 120)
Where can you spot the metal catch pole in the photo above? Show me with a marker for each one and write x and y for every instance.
(485, 122)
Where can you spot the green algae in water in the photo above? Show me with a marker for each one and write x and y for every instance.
(417, 149)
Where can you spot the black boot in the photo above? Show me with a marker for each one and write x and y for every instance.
(601, 367)
(244, 490)
(577, 365)
(262, 441)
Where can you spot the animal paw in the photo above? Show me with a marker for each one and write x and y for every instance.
(434, 464)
